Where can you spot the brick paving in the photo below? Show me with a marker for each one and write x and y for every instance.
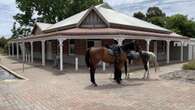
(49, 89)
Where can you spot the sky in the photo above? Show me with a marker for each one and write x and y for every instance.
(187, 7)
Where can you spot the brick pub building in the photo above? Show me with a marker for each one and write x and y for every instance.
(97, 26)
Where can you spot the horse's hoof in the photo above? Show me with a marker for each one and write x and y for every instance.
(118, 82)
(95, 85)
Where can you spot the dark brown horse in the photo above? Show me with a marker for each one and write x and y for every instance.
(95, 55)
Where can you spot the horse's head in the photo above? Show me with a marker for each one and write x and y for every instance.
(129, 46)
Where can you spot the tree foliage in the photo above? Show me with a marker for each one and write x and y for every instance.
(155, 12)
(177, 23)
(3, 42)
(140, 15)
(48, 11)
(181, 25)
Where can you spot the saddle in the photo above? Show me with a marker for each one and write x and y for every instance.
(114, 50)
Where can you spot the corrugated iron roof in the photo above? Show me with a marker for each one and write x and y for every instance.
(111, 16)
(43, 26)
(118, 18)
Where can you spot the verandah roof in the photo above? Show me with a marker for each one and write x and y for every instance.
(79, 32)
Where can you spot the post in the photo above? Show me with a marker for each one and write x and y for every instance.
(23, 51)
(12, 49)
(31, 45)
(104, 66)
(17, 50)
(182, 51)
(148, 44)
(155, 48)
(9, 52)
(119, 40)
(43, 52)
(61, 53)
(168, 51)
(26, 57)
(76, 63)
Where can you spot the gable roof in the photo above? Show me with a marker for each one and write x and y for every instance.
(110, 16)
(43, 26)
(40, 26)
(73, 20)
(97, 13)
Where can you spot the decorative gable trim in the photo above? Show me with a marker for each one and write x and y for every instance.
(90, 10)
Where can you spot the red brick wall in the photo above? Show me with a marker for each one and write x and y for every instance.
(80, 46)
(65, 47)
(107, 42)
(54, 47)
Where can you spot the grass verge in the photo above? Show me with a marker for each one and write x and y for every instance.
(189, 66)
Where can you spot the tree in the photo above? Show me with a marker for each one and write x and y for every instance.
(140, 15)
(14, 31)
(3, 42)
(178, 23)
(181, 25)
(154, 12)
(49, 11)
(156, 16)
(160, 21)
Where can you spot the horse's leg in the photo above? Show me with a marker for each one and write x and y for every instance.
(146, 70)
(118, 76)
(115, 72)
(92, 75)
(126, 74)
(148, 76)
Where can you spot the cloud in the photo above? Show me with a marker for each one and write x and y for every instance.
(119, 2)
(8, 10)
(170, 7)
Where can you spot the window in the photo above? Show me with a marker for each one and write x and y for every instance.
(94, 43)
(71, 47)
(90, 44)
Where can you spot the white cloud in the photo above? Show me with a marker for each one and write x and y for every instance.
(7, 10)
(170, 7)
(119, 2)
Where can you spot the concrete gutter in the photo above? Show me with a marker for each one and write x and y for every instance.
(13, 73)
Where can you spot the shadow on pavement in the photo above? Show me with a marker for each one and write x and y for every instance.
(140, 79)
(111, 86)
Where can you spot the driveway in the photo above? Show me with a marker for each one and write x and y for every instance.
(49, 89)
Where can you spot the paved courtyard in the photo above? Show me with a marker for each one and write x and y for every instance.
(49, 89)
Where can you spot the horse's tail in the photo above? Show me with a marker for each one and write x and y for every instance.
(87, 58)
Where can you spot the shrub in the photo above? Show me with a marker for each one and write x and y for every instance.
(189, 66)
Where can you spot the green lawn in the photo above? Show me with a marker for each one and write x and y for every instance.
(189, 66)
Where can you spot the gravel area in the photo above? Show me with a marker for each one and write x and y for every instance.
(181, 75)
(49, 89)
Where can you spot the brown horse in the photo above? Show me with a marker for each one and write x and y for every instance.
(95, 55)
